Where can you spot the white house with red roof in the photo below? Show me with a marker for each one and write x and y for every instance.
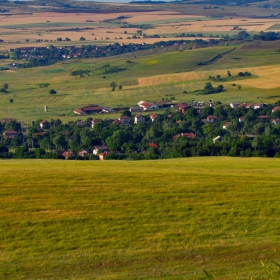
(153, 117)
(226, 124)
(44, 124)
(212, 118)
(275, 109)
(147, 105)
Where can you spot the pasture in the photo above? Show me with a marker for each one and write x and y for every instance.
(165, 219)
(150, 77)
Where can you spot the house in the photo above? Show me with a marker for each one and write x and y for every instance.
(44, 124)
(117, 122)
(99, 149)
(276, 121)
(189, 135)
(147, 105)
(102, 155)
(264, 117)
(153, 145)
(94, 122)
(241, 119)
(258, 106)
(181, 106)
(135, 109)
(218, 138)
(10, 134)
(153, 117)
(249, 106)
(67, 154)
(92, 109)
(275, 109)
(234, 104)
(81, 123)
(79, 111)
(139, 119)
(7, 120)
(226, 124)
(125, 120)
(82, 153)
(212, 118)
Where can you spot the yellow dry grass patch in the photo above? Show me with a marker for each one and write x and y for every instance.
(268, 77)
(158, 15)
(214, 25)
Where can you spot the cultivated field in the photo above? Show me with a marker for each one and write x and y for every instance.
(43, 29)
(165, 219)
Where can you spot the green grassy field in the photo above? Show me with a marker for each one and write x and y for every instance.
(165, 219)
(29, 98)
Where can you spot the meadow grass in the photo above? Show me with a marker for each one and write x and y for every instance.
(165, 219)
(149, 77)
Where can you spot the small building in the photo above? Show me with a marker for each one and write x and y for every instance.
(258, 106)
(79, 111)
(226, 124)
(275, 109)
(95, 121)
(7, 120)
(125, 120)
(275, 121)
(99, 148)
(234, 104)
(153, 117)
(44, 124)
(212, 118)
(241, 119)
(139, 119)
(67, 154)
(181, 106)
(82, 153)
(147, 105)
(264, 117)
(10, 134)
(218, 138)
(153, 145)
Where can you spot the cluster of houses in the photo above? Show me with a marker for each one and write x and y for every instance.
(102, 150)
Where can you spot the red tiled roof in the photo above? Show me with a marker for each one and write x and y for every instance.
(182, 105)
(146, 104)
(44, 121)
(212, 117)
(153, 145)
(264, 117)
(153, 116)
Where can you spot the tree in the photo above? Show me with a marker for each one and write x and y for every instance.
(5, 86)
(120, 87)
(52, 92)
(113, 85)
(228, 74)
(11, 100)
(82, 38)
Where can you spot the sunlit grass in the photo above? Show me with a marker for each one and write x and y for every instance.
(130, 220)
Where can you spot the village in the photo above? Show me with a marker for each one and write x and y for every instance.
(217, 126)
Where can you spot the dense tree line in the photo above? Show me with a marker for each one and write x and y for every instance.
(254, 136)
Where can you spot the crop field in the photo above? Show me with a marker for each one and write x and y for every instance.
(42, 29)
(165, 219)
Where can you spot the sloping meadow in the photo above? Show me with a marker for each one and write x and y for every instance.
(166, 219)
